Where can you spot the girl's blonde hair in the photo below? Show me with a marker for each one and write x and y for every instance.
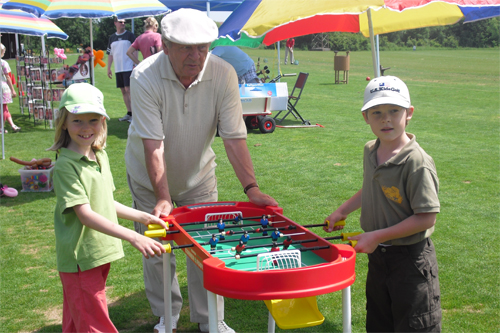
(2, 49)
(150, 22)
(62, 138)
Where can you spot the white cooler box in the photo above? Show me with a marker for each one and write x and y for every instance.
(263, 98)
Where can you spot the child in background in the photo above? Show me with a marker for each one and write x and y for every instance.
(399, 202)
(8, 92)
(86, 214)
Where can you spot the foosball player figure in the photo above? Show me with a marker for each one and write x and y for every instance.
(221, 226)
(275, 248)
(264, 222)
(287, 242)
(240, 247)
(245, 237)
(213, 242)
(237, 219)
(275, 234)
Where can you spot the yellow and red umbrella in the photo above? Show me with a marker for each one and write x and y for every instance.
(269, 21)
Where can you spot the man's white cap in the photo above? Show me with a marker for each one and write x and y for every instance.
(189, 27)
(386, 90)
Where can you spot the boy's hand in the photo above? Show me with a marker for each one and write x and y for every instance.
(147, 246)
(332, 219)
(366, 242)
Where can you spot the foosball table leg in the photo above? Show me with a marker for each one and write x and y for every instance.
(212, 312)
(271, 324)
(346, 309)
(167, 291)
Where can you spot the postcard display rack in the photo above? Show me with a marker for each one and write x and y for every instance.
(42, 81)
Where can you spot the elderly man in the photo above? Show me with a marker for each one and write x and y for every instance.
(179, 98)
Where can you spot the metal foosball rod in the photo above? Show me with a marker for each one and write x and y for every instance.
(169, 247)
(231, 232)
(326, 224)
(344, 236)
(253, 238)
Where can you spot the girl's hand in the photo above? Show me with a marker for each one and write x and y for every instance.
(147, 246)
(332, 219)
(151, 219)
(14, 94)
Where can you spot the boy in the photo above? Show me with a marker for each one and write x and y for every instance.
(399, 203)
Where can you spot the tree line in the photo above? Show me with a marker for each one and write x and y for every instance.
(480, 34)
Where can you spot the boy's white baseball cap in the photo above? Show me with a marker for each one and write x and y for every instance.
(386, 90)
(82, 98)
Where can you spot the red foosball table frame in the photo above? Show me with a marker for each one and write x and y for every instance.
(336, 273)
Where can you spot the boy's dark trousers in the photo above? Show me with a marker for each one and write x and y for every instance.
(402, 289)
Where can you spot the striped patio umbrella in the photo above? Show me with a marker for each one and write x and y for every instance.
(90, 9)
(19, 22)
(123, 9)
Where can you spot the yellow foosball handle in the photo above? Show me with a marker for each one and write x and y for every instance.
(155, 226)
(168, 248)
(345, 235)
(156, 233)
(341, 222)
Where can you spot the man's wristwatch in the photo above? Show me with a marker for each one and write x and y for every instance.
(249, 186)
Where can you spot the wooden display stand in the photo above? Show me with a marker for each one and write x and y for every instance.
(341, 64)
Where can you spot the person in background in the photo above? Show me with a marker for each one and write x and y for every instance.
(148, 42)
(118, 44)
(8, 92)
(290, 43)
(241, 62)
(399, 203)
(179, 98)
(88, 236)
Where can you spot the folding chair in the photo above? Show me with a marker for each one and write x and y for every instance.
(294, 99)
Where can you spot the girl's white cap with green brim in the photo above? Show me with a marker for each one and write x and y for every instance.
(82, 98)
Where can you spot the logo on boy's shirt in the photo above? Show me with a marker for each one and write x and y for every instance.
(392, 193)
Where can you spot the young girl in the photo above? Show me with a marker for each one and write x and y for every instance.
(85, 219)
(8, 92)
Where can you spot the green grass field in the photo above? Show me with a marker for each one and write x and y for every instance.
(310, 171)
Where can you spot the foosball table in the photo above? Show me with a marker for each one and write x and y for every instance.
(256, 253)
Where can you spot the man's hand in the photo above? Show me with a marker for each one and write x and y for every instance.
(255, 196)
(110, 74)
(163, 208)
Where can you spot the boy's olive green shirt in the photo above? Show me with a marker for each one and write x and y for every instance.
(405, 185)
(77, 181)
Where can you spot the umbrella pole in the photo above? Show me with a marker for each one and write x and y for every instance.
(372, 42)
(279, 60)
(92, 49)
